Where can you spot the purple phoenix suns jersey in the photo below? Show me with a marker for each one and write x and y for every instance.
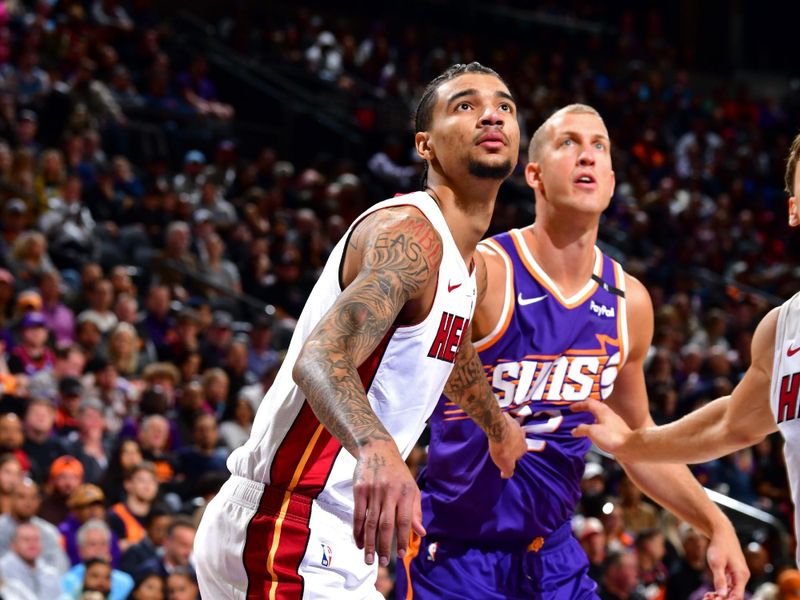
(545, 353)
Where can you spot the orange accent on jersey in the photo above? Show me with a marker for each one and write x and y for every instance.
(134, 531)
(414, 543)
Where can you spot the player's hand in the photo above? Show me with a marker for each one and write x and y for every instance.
(509, 448)
(610, 432)
(386, 499)
(727, 563)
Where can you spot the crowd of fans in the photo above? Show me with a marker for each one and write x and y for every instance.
(150, 274)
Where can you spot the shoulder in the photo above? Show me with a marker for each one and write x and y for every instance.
(762, 349)
(640, 305)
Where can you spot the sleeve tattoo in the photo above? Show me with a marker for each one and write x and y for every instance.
(400, 256)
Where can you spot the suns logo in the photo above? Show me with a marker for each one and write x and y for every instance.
(432, 551)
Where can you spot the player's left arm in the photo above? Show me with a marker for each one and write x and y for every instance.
(469, 388)
(672, 485)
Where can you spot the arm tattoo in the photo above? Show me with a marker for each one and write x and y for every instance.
(469, 388)
(400, 257)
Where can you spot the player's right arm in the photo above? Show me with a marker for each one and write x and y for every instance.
(727, 424)
(391, 262)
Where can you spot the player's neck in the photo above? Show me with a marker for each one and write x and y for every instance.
(467, 211)
(565, 252)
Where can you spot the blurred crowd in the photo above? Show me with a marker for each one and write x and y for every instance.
(151, 267)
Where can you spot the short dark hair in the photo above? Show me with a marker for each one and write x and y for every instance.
(180, 521)
(791, 165)
(424, 112)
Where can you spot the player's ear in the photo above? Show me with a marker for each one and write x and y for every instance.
(533, 174)
(422, 141)
(794, 216)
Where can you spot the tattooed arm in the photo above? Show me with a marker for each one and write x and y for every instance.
(469, 388)
(393, 259)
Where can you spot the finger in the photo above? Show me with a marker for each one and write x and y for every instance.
(359, 516)
(386, 528)
(582, 430)
(738, 581)
(416, 519)
(507, 468)
(592, 406)
(720, 580)
(405, 513)
(371, 527)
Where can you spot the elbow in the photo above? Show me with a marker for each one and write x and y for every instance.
(300, 370)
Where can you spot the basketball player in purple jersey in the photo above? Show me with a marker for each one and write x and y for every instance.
(561, 323)
(763, 402)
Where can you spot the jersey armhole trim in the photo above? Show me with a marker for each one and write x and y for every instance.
(622, 311)
(508, 301)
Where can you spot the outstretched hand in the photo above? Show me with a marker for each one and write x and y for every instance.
(610, 432)
(386, 500)
(509, 448)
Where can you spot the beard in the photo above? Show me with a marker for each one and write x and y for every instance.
(484, 171)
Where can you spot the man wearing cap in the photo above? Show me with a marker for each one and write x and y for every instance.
(192, 177)
(66, 474)
(70, 392)
(25, 503)
(32, 354)
(218, 338)
(85, 503)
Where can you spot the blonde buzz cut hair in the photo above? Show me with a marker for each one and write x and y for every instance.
(791, 165)
(537, 141)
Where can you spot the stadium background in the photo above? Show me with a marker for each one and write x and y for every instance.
(173, 177)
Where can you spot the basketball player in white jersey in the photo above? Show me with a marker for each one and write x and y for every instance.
(384, 331)
(765, 400)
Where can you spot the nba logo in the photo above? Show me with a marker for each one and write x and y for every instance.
(327, 555)
(432, 551)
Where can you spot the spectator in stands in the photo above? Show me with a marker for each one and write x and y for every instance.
(182, 585)
(90, 445)
(620, 579)
(70, 361)
(25, 504)
(66, 475)
(156, 323)
(219, 271)
(177, 549)
(33, 353)
(191, 179)
(149, 550)
(592, 538)
(127, 518)
(41, 446)
(70, 394)
(150, 586)
(218, 337)
(235, 367)
(101, 303)
(12, 438)
(185, 337)
(115, 393)
(170, 266)
(94, 540)
(637, 515)
(154, 441)
(11, 475)
(199, 92)
(126, 455)
(688, 574)
(237, 423)
(85, 503)
(89, 336)
(123, 351)
(60, 318)
(260, 354)
(204, 455)
(23, 563)
(215, 390)
(650, 551)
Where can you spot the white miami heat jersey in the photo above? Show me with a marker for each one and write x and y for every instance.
(404, 377)
(785, 393)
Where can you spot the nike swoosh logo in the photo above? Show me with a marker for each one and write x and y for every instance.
(450, 287)
(525, 301)
(792, 351)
